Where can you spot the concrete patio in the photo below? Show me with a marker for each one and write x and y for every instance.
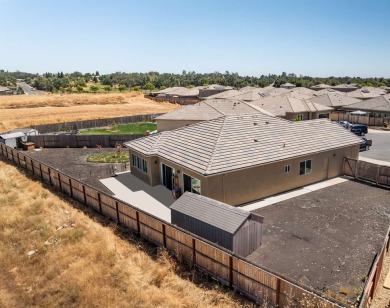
(154, 200)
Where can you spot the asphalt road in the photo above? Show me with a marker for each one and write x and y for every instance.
(28, 89)
(380, 148)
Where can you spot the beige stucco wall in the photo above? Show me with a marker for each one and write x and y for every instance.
(250, 184)
(173, 124)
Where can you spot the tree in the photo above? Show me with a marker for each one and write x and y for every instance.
(149, 86)
(94, 88)
(122, 88)
(80, 89)
(69, 89)
(97, 73)
(107, 88)
(136, 88)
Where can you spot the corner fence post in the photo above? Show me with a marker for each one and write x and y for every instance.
(277, 302)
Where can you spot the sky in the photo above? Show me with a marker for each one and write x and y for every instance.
(305, 37)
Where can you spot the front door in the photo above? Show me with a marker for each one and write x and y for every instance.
(166, 176)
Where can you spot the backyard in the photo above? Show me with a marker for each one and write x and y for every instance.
(126, 129)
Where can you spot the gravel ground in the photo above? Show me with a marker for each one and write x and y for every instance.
(73, 162)
(326, 239)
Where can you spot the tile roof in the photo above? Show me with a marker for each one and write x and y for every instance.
(224, 94)
(321, 86)
(241, 141)
(12, 135)
(251, 95)
(217, 214)
(346, 86)
(4, 89)
(334, 100)
(376, 104)
(211, 109)
(367, 92)
(280, 105)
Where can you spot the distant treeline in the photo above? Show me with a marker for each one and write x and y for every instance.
(54, 82)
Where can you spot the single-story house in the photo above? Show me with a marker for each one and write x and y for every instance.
(287, 85)
(241, 158)
(13, 140)
(224, 95)
(320, 86)
(207, 91)
(5, 91)
(230, 227)
(346, 87)
(291, 108)
(336, 100)
(203, 111)
(378, 107)
(367, 93)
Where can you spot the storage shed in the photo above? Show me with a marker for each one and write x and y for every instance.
(13, 139)
(230, 227)
(28, 131)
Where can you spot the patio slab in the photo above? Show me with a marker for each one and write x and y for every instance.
(154, 200)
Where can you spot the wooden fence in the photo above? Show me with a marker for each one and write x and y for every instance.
(363, 170)
(174, 100)
(367, 120)
(258, 284)
(79, 141)
(75, 125)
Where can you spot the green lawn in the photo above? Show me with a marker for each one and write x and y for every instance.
(126, 129)
(109, 157)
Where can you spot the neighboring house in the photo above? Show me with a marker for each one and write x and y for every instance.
(5, 91)
(224, 95)
(177, 92)
(232, 228)
(326, 91)
(206, 110)
(13, 139)
(250, 95)
(241, 158)
(287, 85)
(320, 86)
(367, 92)
(346, 87)
(207, 91)
(292, 108)
(336, 100)
(378, 107)
(26, 131)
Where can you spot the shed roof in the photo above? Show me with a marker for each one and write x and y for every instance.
(212, 212)
(376, 104)
(12, 135)
(242, 141)
(211, 109)
(22, 130)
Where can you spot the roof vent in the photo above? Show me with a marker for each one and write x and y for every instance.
(266, 122)
(284, 144)
(255, 140)
(255, 123)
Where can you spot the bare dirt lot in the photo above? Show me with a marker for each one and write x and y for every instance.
(24, 110)
(326, 239)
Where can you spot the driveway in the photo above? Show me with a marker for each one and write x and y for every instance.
(380, 149)
(28, 89)
(154, 200)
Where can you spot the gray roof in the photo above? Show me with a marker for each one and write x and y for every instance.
(287, 84)
(211, 109)
(321, 86)
(4, 89)
(281, 105)
(242, 141)
(367, 92)
(376, 104)
(335, 100)
(212, 212)
(12, 135)
(225, 94)
(251, 95)
(346, 86)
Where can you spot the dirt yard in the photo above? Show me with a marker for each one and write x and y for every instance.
(24, 110)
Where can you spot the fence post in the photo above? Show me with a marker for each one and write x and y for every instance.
(70, 188)
(277, 302)
(230, 271)
(18, 158)
(193, 252)
(356, 169)
(100, 203)
(138, 224)
(25, 162)
(50, 181)
(12, 154)
(2, 150)
(59, 180)
(32, 166)
(40, 170)
(117, 210)
(164, 237)
(85, 196)
(377, 174)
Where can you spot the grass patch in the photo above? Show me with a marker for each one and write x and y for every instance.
(123, 157)
(127, 129)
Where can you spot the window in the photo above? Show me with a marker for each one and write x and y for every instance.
(287, 168)
(299, 117)
(139, 163)
(305, 167)
(191, 184)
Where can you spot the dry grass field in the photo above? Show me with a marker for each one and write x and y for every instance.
(24, 110)
(56, 252)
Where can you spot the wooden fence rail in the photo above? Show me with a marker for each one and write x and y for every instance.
(253, 281)
(361, 119)
(363, 170)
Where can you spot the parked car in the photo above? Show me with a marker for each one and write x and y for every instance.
(358, 129)
(344, 124)
(365, 144)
